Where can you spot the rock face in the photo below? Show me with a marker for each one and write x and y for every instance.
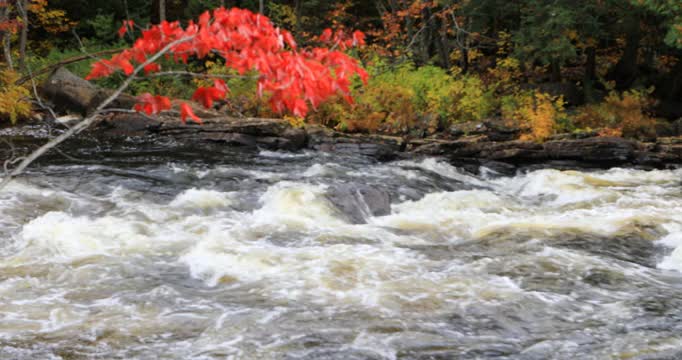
(379, 147)
(272, 134)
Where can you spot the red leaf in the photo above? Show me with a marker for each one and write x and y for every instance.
(358, 38)
(185, 111)
(124, 28)
(206, 95)
(152, 68)
(102, 68)
(326, 35)
(151, 104)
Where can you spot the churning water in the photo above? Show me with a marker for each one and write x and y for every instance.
(151, 253)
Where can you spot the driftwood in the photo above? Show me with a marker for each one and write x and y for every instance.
(72, 94)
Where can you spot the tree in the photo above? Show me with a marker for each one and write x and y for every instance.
(294, 78)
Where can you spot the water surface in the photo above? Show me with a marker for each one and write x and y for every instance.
(132, 252)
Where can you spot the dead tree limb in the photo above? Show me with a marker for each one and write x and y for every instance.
(85, 123)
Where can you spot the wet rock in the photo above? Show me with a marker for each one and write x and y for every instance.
(600, 149)
(271, 134)
(376, 146)
(358, 202)
(493, 129)
(499, 168)
(665, 128)
(467, 128)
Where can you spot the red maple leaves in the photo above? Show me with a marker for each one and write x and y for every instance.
(127, 24)
(294, 78)
(186, 111)
(151, 104)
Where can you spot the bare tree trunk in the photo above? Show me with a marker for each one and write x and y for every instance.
(23, 39)
(162, 10)
(5, 38)
(261, 6)
(8, 52)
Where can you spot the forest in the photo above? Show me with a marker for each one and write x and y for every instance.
(611, 67)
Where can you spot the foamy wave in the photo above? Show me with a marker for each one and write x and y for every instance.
(202, 199)
(63, 235)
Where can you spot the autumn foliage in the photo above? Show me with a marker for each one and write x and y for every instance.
(294, 78)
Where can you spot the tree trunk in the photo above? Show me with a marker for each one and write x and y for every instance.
(162, 10)
(442, 44)
(5, 38)
(625, 71)
(23, 39)
(590, 74)
(464, 61)
(555, 68)
(261, 6)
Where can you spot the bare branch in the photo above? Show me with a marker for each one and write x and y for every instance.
(68, 61)
(89, 120)
(198, 75)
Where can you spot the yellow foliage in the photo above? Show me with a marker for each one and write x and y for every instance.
(537, 113)
(13, 98)
(623, 113)
(387, 109)
(54, 21)
(295, 121)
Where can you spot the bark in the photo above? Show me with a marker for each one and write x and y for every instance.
(261, 7)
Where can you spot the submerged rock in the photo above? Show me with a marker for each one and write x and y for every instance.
(358, 202)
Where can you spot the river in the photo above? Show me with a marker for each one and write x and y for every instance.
(168, 252)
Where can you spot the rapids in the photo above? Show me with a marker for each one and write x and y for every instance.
(148, 253)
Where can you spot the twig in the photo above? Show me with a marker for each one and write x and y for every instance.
(197, 75)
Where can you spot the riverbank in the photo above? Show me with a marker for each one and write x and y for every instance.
(467, 150)
(482, 148)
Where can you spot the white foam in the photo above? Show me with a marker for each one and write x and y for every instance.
(202, 199)
(296, 206)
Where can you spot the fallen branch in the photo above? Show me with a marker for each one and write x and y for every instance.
(87, 121)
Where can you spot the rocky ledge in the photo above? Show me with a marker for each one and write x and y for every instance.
(465, 144)
(481, 149)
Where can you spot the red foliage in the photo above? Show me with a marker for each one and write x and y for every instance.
(185, 111)
(151, 104)
(127, 24)
(295, 78)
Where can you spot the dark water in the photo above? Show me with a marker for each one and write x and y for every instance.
(144, 252)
